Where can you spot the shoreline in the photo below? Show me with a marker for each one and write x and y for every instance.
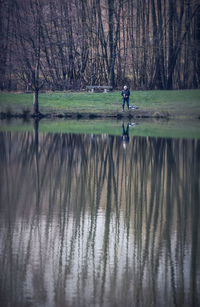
(132, 114)
(176, 104)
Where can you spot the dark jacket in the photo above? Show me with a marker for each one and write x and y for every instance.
(126, 93)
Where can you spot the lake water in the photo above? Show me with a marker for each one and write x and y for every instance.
(99, 221)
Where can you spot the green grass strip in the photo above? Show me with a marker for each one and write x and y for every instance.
(152, 128)
(177, 102)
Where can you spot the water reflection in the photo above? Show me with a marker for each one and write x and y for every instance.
(125, 134)
(85, 223)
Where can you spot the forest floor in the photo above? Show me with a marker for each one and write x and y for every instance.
(180, 104)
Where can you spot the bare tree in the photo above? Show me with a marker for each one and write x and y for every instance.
(68, 44)
(27, 40)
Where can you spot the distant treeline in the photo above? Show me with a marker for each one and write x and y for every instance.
(66, 44)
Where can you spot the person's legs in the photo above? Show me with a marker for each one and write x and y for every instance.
(127, 101)
(123, 102)
(123, 130)
(127, 129)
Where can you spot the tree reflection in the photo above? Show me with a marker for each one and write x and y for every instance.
(82, 223)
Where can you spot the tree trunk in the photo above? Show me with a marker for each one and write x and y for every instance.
(110, 37)
(171, 44)
(35, 102)
(37, 169)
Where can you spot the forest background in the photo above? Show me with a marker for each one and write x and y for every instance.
(68, 44)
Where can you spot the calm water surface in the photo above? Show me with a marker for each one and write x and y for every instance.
(91, 221)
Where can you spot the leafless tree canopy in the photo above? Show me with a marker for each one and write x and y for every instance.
(65, 44)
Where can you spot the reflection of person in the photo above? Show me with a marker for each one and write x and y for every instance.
(125, 94)
(125, 134)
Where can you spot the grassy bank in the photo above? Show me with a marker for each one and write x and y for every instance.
(151, 128)
(179, 103)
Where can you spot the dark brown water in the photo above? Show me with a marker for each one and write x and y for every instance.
(88, 221)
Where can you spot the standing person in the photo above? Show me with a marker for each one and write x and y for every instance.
(125, 94)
